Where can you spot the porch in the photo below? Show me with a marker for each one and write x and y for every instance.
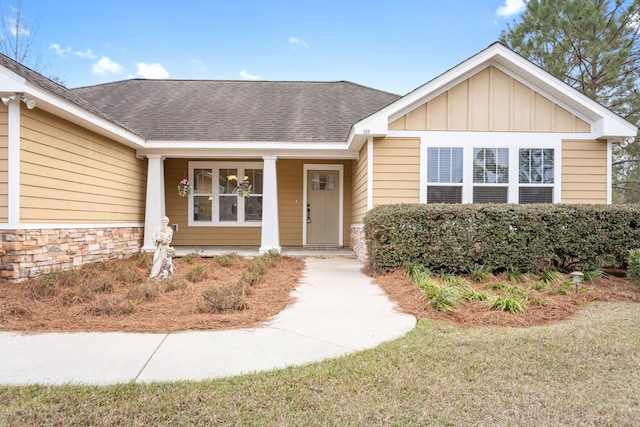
(208, 251)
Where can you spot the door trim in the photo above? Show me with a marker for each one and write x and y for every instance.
(327, 167)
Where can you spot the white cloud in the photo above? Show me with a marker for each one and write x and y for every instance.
(86, 54)
(197, 63)
(295, 40)
(634, 21)
(18, 30)
(152, 71)
(59, 50)
(105, 66)
(511, 7)
(245, 75)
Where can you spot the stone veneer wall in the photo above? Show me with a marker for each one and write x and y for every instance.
(359, 242)
(27, 253)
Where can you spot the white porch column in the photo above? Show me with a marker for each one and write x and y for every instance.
(155, 206)
(13, 131)
(270, 222)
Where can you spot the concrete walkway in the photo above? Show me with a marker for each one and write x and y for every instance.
(338, 311)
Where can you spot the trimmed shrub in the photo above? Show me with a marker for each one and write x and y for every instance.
(634, 264)
(525, 238)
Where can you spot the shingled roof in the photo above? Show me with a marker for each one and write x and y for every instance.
(49, 85)
(221, 110)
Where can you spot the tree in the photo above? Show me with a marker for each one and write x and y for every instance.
(594, 46)
(18, 35)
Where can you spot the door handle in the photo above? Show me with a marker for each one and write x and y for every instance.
(308, 213)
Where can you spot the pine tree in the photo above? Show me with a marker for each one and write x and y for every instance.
(594, 46)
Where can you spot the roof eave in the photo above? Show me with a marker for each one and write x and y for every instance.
(606, 123)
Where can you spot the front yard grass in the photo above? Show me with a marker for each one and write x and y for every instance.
(582, 371)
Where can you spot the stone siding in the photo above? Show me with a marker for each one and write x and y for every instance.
(27, 253)
(359, 242)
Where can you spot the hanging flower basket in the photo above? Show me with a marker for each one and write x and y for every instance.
(244, 189)
(184, 188)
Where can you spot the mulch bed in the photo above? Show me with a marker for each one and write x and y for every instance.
(556, 307)
(175, 304)
(127, 307)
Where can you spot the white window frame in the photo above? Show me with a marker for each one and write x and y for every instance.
(215, 216)
(441, 184)
(542, 184)
(492, 184)
(470, 140)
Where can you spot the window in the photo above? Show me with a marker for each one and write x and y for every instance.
(490, 167)
(215, 200)
(536, 175)
(444, 168)
(490, 175)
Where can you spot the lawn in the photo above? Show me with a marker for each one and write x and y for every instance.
(582, 371)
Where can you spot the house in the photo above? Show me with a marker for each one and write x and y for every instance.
(87, 174)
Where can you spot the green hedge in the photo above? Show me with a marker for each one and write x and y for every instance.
(526, 238)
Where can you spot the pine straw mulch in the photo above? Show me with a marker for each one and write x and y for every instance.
(552, 307)
(146, 305)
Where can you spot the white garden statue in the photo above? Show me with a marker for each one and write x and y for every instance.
(162, 257)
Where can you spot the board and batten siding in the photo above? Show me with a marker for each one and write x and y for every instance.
(360, 181)
(69, 174)
(290, 206)
(584, 171)
(396, 170)
(4, 164)
(491, 101)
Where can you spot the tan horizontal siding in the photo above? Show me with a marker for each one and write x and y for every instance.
(396, 170)
(584, 171)
(177, 211)
(360, 190)
(491, 101)
(290, 200)
(70, 174)
(4, 165)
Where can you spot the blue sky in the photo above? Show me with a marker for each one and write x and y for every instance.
(393, 45)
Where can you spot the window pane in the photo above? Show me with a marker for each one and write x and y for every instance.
(228, 208)
(536, 166)
(444, 194)
(323, 182)
(444, 165)
(491, 165)
(228, 181)
(432, 164)
(548, 166)
(202, 208)
(490, 194)
(202, 181)
(253, 208)
(530, 195)
(254, 176)
(456, 165)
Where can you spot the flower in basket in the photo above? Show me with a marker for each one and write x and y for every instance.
(184, 188)
(244, 188)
